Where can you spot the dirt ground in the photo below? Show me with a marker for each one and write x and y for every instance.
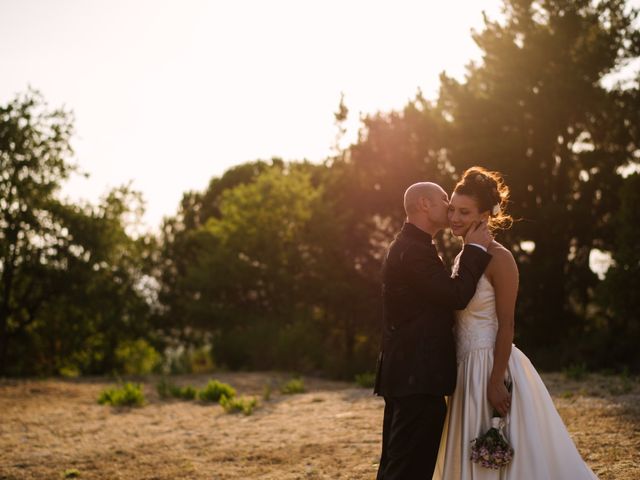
(332, 431)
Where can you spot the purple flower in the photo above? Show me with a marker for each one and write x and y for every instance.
(492, 450)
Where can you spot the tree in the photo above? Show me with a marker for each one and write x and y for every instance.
(395, 150)
(536, 110)
(247, 276)
(180, 246)
(72, 280)
(103, 299)
(275, 275)
(619, 335)
(34, 147)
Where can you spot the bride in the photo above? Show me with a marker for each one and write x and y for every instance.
(487, 361)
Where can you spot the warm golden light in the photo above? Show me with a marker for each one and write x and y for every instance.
(168, 94)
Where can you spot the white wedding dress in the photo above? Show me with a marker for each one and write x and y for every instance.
(543, 449)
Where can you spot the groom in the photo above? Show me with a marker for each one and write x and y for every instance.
(417, 363)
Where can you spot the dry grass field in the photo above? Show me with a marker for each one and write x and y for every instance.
(52, 427)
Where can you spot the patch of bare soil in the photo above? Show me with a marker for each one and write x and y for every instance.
(332, 431)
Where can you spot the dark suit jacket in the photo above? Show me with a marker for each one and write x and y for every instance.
(419, 296)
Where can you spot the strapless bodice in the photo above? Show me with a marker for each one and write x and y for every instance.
(476, 326)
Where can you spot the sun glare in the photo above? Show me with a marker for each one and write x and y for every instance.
(168, 94)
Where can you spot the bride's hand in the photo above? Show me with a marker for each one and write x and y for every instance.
(499, 397)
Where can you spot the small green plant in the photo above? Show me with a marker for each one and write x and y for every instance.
(266, 392)
(366, 380)
(215, 390)
(69, 371)
(167, 389)
(627, 385)
(622, 384)
(236, 405)
(186, 393)
(129, 394)
(163, 387)
(71, 473)
(576, 371)
(293, 386)
(137, 357)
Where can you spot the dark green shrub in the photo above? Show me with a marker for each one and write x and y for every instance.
(236, 405)
(186, 393)
(216, 390)
(258, 345)
(366, 380)
(129, 394)
(137, 357)
(576, 371)
(163, 388)
(293, 386)
(266, 392)
(71, 473)
(167, 389)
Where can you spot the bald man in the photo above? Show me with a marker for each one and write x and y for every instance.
(417, 362)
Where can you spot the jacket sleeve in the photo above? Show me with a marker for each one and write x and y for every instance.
(430, 278)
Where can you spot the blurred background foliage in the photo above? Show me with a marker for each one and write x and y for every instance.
(275, 265)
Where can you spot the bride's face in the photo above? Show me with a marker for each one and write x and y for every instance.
(463, 210)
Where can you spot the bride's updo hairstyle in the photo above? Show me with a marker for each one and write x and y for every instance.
(491, 194)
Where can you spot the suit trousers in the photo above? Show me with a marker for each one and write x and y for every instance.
(411, 431)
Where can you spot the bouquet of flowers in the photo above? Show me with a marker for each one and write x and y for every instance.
(492, 450)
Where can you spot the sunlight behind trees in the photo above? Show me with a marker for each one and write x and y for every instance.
(275, 264)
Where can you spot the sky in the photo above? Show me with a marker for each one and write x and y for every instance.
(167, 94)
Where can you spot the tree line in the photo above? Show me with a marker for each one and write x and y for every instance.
(277, 264)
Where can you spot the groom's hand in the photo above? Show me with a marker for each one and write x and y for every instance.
(479, 233)
(499, 397)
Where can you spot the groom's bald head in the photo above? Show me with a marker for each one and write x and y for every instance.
(419, 192)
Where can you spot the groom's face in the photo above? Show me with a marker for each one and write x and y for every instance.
(438, 207)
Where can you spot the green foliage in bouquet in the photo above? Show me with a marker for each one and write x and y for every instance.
(491, 450)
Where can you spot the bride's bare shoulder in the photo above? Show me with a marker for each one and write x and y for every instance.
(496, 248)
(501, 258)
